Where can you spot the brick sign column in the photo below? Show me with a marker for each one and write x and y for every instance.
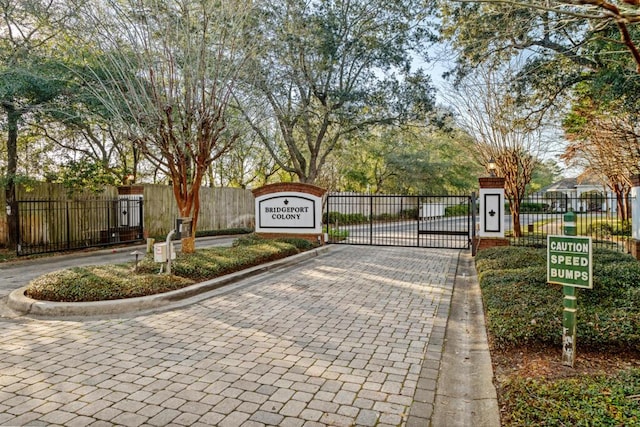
(289, 210)
(492, 213)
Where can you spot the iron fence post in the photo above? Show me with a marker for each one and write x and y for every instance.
(370, 219)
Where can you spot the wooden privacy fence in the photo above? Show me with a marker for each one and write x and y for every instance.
(220, 208)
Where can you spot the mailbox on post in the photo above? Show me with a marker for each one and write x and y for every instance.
(183, 228)
(160, 252)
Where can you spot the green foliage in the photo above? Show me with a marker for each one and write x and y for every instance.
(223, 232)
(606, 228)
(529, 207)
(96, 283)
(410, 160)
(603, 400)
(457, 210)
(508, 258)
(344, 219)
(336, 234)
(299, 243)
(523, 309)
(86, 174)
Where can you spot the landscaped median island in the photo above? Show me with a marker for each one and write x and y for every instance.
(524, 324)
(110, 282)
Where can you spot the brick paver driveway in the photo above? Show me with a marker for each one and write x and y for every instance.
(353, 337)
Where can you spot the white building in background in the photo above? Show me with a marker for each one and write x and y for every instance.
(582, 195)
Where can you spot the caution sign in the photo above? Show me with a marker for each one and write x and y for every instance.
(569, 261)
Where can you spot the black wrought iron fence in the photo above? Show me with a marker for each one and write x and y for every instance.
(602, 216)
(61, 225)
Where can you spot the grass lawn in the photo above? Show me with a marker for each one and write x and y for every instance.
(524, 323)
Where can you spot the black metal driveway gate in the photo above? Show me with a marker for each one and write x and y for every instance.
(438, 221)
(55, 225)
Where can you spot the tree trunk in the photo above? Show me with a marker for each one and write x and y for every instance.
(12, 167)
(514, 207)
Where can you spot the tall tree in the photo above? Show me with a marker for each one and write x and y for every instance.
(559, 19)
(504, 132)
(413, 159)
(565, 42)
(29, 74)
(607, 144)
(330, 69)
(172, 66)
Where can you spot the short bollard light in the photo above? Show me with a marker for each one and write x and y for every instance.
(136, 254)
(570, 228)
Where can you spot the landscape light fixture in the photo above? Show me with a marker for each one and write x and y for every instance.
(492, 167)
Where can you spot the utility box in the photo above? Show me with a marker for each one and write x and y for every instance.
(160, 252)
(183, 228)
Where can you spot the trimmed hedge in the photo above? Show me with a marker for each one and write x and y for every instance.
(602, 400)
(522, 309)
(108, 282)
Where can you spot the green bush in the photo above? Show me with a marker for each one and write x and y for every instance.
(225, 232)
(333, 218)
(297, 242)
(96, 283)
(609, 228)
(409, 213)
(530, 207)
(602, 400)
(509, 257)
(336, 234)
(523, 309)
(456, 210)
(386, 217)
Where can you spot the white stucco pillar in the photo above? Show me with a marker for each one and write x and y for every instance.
(492, 214)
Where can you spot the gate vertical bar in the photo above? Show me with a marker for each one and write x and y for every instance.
(140, 217)
(68, 225)
(418, 223)
(370, 219)
(13, 206)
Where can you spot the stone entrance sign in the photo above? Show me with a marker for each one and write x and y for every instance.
(286, 209)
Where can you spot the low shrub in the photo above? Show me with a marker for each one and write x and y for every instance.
(509, 257)
(607, 228)
(99, 283)
(297, 242)
(456, 210)
(335, 234)
(603, 400)
(530, 207)
(386, 217)
(224, 232)
(409, 213)
(96, 283)
(521, 308)
(333, 218)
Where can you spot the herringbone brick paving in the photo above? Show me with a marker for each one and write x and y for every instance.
(351, 338)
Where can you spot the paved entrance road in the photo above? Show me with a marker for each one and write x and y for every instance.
(353, 337)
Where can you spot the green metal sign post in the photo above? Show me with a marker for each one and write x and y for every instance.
(569, 264)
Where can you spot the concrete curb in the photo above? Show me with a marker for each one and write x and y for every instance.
(18, 302)
(465, 394)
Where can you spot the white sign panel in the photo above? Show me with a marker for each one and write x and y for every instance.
(289, 213)
(492, 212)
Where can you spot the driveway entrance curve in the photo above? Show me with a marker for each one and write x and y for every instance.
(353, 337)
